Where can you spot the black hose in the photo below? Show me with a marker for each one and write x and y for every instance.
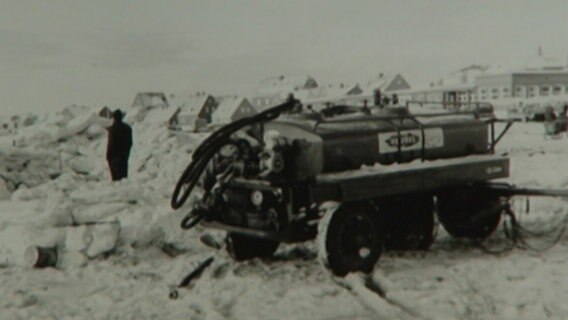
(227, 130)
(210, 146)
(517, 235)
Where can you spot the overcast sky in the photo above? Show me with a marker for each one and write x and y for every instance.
(59, 52)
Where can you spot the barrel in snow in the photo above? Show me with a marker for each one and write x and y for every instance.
(40, 257)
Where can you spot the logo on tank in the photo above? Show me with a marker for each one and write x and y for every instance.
(406, 140)
(411, 140)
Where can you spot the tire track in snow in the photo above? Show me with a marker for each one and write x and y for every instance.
(371, 291)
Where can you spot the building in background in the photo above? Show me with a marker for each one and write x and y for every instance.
(150, 100)
(198, 106)
(387, 83)
(163, 116)
(232, 109)
(143, 103)
(535, 79)
(275, 90)
(458, 86)
(360, 95)
(523, 84)
(331, 95)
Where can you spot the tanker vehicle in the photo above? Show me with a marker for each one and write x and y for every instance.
(359, 180)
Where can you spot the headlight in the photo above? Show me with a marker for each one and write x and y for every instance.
(256, 197)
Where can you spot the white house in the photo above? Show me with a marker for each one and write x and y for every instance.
(275, 90)
(163, 117)
(339, 94)
(386, 83)
(290, 84)
(150, 100)
(232, 109)
(143, 103)
(200, 106)
(510, 84)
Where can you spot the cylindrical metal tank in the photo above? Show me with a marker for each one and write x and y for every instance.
(356, 140)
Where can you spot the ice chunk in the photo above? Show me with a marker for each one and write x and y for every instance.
(82, 164)
(77, 238)
(104, 239)
(5, 194)
(97, 213)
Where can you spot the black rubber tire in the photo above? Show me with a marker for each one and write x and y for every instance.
(409, 222)
(244, 247)
(351, 239)
(456, 208)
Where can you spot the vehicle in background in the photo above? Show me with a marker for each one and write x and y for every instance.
(532, 109)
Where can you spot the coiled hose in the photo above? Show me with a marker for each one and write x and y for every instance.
(210, 146)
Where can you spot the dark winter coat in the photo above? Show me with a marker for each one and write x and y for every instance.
(119, 141)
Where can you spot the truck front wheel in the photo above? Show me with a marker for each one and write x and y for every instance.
(350, 238)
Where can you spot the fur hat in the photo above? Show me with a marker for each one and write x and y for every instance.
(118, 114)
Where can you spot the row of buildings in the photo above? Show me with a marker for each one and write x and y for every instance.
(196, 112)
(202, 109)
(536, 78)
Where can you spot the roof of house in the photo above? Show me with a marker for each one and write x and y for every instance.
(471, 67)
(318, 94)
(528, 64)
(332, 93)
(286, 84)
(194, 104)
(147, 99)
(345, 90)
(229, 106)
(465, 78)
(76, 110)
(440, 88)
(160, 115)
(382, 82)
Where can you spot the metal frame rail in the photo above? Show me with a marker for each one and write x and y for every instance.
(392, 119)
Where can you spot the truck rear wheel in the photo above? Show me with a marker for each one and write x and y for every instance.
(409, 221)
(469, 212)
(350, 238)
(244, 247)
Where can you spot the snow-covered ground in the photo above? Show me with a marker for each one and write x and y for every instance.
(131, 276)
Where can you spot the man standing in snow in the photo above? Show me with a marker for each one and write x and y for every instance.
(395, 99)
(563, 120)
(377, 97)
(118, 147)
